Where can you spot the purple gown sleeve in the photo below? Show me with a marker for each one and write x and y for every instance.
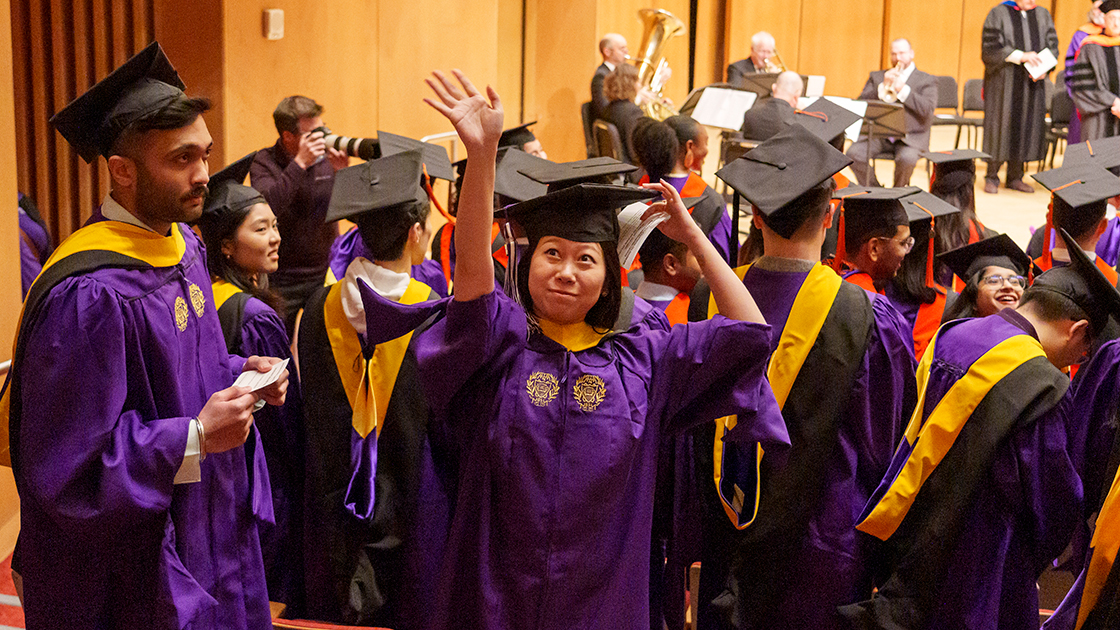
(94, 465)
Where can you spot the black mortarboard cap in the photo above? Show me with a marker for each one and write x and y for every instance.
(825, 119)
(963, 156)
(1104, 152)
(509, 183)
(875, 209)
(778, 172)
(998, 251)
(584, 213)
(920, 205)
(1080, 185)
(227, 192)
(558, 176)
(518, 136)
(377, 185)
(435, 157)
(953, 169)
(1083, 284)
(144, 84)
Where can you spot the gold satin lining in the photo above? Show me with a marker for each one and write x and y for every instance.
(574, 337)
(223, 291)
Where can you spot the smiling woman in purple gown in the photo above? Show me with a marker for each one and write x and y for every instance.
(558, 409)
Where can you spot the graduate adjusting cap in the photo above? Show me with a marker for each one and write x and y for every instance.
(143, 85)
(584, 213)
(227, 193)
(825, 119)
(1083, 284)
(377, 185)
(510, 184)
(1080, 185)
(436, 161)
(996, 251)
(558, 176)
(1104, 153)
(518, 137)
(783, 176)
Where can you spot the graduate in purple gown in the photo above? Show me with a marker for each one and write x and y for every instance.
(372, 492)
(558, 406)
(140, 476)
(242, 247)
(349, 246)
(800, 557)
(989, 466)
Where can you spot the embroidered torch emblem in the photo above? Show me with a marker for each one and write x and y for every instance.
(181, 313)
(589, 392)
(542, 388)
(198, 300)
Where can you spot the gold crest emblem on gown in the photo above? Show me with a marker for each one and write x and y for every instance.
(542, 388)
(181, 313)
(589, 392)
(198, 300)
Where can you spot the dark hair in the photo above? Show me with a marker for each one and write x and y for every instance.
(965, 304)
(656, 248)
(808, 208)
(1053, 307)
(604, 313)
(911, 277)
(386, 232)
(854, 240)
(619, 84)
(180, 112)
(219, 229)
(686, 129)
(290, 110)
(655, 147)
(1080, 221)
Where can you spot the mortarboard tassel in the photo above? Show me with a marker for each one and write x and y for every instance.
(841, 248)
(929, 250)
(431, 196)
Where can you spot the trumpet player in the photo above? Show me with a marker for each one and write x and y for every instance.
(916, 91)
(763, 48)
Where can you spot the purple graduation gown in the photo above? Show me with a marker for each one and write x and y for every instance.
(551, 527)
(834, 563)
(349, 246)
(29, 264)
(1024, 512)
(112, 378)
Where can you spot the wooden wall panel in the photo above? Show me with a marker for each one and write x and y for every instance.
(826, 24)
(710, 60)
(780, 18)
(59, 48)
(933, 29)
(510, 56)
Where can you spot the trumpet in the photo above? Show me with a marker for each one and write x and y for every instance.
(775, 63)
(889, 89)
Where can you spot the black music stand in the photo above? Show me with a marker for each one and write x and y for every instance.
(886, 119)
(760, 83)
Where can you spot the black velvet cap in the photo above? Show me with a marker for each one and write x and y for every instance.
(558, 176)
(825, 119)
(386, 183)
(1083, 284)
(920, 206)
(1104, 153)
(963, 156)
(227, 192)
(517, 136)
(509, 183)
(1080, 185)
(435, 156)
(874, 209)
(777, 173)
(143, 85)
(999, 251)
(585, 213)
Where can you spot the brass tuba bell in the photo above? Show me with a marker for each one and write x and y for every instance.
(659, 27)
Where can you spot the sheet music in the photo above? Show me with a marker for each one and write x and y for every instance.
(632, 231)
(1048, 64)
(814, 86)
(859, 108)
(723, 108)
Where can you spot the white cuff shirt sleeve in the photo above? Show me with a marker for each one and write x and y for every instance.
(190, 471)
(903, 94)
(1015, 57)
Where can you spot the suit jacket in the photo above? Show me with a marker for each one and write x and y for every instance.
(737, 70)
(599, 100)
(767, 119)
(625, 116)
(918, 107)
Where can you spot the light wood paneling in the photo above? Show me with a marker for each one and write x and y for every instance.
(509, 51)
(826, 29)
(780, 18)
(933, 29)
(710, 60)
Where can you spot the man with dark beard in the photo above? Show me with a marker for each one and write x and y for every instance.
(140, 475)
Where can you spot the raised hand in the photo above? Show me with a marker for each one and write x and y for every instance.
(680, 225)
(477, 118)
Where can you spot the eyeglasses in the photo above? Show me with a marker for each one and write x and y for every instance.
(1019, 282)
(907, 244)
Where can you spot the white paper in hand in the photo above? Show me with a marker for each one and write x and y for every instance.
(1048, 63)
(255, 380)
(632, 231)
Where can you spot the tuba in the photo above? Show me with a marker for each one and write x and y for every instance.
(659, 27)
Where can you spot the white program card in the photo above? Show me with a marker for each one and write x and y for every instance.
(255, 380)
(723, 108)
(814, 86)
(632, 231)
(1048, 64)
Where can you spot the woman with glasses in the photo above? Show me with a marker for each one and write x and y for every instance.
(995, 273)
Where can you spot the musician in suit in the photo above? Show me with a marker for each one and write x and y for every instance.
(917, 92)
(614, 51)
(772, 115)
(762, 48)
